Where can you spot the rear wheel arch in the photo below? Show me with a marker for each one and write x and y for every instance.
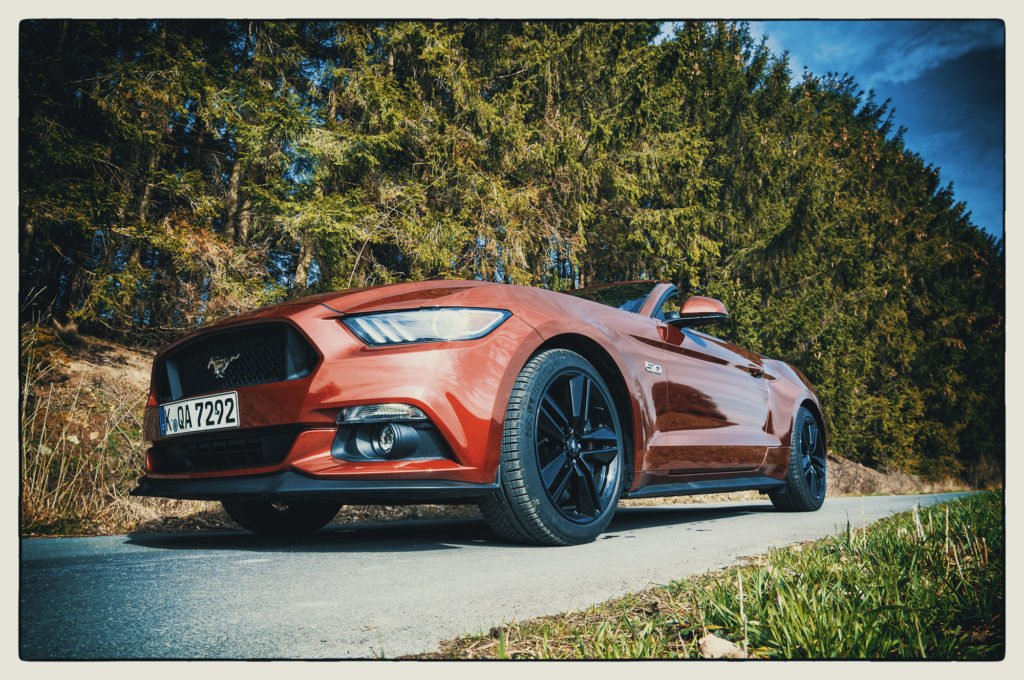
(608, 368)
(805, 480)
(812, 406)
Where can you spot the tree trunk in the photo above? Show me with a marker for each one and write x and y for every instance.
(302, 266)
(332, 108)
(147, 187)
(231, 200)
(243, 223)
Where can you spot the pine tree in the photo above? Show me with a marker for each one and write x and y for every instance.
(235, 163)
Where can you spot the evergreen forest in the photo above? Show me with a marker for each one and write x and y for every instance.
(175, 172)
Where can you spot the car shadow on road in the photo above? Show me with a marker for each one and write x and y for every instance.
(427, 535)
(693, 515)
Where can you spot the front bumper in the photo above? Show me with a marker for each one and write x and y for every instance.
(288, 485)
(462, 387)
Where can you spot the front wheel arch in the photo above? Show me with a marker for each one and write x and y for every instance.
(610, 372)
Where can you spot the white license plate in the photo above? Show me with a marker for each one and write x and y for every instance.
(213, 412)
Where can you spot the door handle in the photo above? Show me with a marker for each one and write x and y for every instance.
(753, 369)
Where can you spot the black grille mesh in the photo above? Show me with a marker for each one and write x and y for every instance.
(238, 449)
(254, 355)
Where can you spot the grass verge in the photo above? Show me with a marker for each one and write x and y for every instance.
(927, 584)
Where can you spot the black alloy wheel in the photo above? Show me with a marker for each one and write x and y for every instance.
(578, 447)
(562, 454)
(807, 477)
(812, 459)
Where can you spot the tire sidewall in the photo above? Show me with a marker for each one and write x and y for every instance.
(552, 364)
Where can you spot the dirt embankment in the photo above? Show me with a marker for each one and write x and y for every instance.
(82, 450)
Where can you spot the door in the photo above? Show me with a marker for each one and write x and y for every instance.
(716, 406)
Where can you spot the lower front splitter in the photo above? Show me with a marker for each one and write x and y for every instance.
(288, 485)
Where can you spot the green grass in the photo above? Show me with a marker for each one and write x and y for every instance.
(927, 584)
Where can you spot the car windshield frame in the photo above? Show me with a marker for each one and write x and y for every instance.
(628, 296)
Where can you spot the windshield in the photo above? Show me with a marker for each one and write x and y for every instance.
(626, 296)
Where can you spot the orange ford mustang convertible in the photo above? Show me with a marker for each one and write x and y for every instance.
(544, 408)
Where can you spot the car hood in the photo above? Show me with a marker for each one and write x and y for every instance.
(409, 295)
(381, 298)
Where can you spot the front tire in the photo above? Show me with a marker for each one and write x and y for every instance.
(562, 455)
(806, 478)
(295, 518)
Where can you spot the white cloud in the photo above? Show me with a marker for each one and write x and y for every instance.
(877, 52)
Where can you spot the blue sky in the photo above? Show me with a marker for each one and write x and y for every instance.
(946, 80)
(946, 83)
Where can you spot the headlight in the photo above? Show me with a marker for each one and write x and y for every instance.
(375, 413)
(425, 325)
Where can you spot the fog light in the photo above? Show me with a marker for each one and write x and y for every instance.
(386, 439)
(393, 440)
(375, 413)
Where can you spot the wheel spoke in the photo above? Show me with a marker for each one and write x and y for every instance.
(820, 476)
(591, 484)
(579, 395)
(559, 481)
(546, 423)
(601, 434)
(586, 493)
(555, 414)
(585, 418)
(550, 471)
(603, 456)
(816, 481)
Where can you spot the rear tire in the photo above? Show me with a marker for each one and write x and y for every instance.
(562, 455)
(295, 518)
(806, 478)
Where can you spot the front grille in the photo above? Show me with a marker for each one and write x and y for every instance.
(249, 355)
(223, 451)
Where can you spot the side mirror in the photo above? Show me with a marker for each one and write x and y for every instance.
(699, 311)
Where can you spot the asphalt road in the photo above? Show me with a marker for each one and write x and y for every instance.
(373, 589)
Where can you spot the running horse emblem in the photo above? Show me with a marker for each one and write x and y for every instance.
(220, 364)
